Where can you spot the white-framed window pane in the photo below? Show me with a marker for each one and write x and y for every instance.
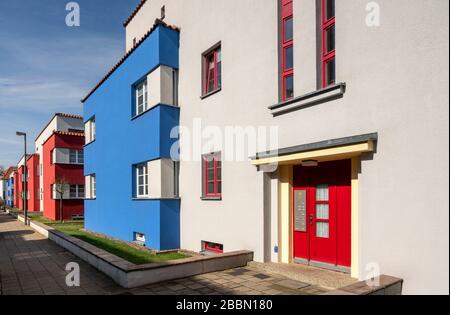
(142, 181)
(141, 98)
(322, 211)
(322, 229)
(322, 193)
(93, 186)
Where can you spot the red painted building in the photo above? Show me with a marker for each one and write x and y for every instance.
(33, 183)
(19, 187)
(62, 162)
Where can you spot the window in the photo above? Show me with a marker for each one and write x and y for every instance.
(141, 98)
(142, 181)
(328, 43)
(90, 130)
(139, 238)
(76, 157)
(212, 247)
(212, 70)
(91, 192)
(322, 211)
(76, 191)
(93, 186)
(212, 176)
(287, 50)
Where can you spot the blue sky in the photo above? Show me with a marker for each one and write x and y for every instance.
(47, 67)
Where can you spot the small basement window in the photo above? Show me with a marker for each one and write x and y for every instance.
(139, 238)
(210, 247)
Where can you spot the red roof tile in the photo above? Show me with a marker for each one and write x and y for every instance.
(8, 172)
(157, 23)
(135, 11)
(69, 116)
(65, 133)
(60, 115)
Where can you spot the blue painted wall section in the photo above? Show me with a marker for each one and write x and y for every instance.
(9, 192)
(122, 142)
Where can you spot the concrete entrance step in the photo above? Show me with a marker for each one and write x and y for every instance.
(327, 279)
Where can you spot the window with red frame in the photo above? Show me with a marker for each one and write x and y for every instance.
(212, 70)
(328, 43)
(212, 176)
(287, 49)
(212, 247)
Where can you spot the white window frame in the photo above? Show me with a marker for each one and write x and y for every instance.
(77, 195)
(144, 176)
(93, 183)
(143, 86)
(91, 132)
(78, 154)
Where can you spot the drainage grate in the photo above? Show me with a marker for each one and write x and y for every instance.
(261, 276)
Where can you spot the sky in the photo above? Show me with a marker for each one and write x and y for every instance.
(47, 67)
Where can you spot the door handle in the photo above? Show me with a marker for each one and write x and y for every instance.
(311, 219)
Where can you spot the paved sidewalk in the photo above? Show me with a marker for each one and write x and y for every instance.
(33, 265)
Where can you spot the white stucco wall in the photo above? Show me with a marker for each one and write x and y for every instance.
(396, 76)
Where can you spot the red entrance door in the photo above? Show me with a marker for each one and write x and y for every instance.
(322, 214)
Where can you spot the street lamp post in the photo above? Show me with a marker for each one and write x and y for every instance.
(25, 175)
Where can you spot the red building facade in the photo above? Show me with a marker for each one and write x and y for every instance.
(33, 183)
(62, 163)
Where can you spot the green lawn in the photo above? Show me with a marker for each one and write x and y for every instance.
(136, 256)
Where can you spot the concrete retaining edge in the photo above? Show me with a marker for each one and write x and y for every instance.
(129, 275)
(386, 285)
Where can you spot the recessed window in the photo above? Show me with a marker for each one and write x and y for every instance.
(328, 43)
(76, 191)
(289, 87)
(76, 157)
(141, 180)
(288, 29)
(330, 72)
(330, 9)
(212, 247)
(289, 57)
(287, 49)
(141, 97)
(212, 70)
(212, 175)
(91, 184)
(90, 130)
(330, 39)
(139, 238)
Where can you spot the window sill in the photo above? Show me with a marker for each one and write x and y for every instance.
(210, 93)
(311, 99)
(150, 199)
(150, 109)
(218, 198)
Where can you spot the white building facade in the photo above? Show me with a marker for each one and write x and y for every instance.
(357, 92)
